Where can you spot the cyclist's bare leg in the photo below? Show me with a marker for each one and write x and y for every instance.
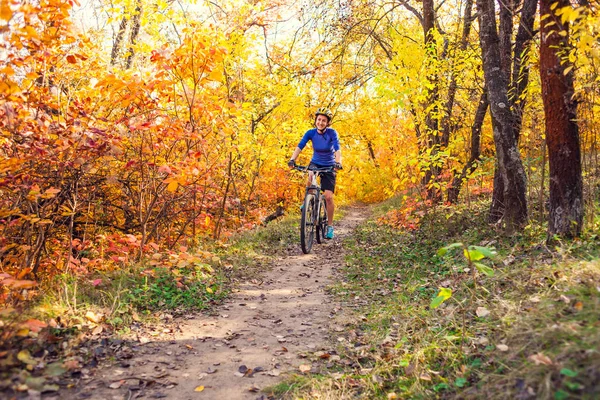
(330, 206)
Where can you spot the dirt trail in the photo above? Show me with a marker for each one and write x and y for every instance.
(267, 326)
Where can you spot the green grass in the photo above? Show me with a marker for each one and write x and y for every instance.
(539, 340)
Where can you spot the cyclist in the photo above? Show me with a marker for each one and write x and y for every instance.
(326, 153)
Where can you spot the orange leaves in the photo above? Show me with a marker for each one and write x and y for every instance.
(408, 216)
(165, 169)
(5, 11)
(34, 325)
(160, 153)
(18, 284)
(173, 185)
(13, 290)
(216, 75)
(9, 87)
(196, 61)
(12, 283)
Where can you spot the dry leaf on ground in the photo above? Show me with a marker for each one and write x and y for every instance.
(304, 368)
(116, 385)
(425, 377)
(540, 358)
(93, 317)
(502, 347)
(482, 312)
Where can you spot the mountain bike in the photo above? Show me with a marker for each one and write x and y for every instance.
(313, 223)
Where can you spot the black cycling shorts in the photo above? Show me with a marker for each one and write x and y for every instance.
(327, 178)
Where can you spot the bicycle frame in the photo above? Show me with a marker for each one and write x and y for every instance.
(314, 213)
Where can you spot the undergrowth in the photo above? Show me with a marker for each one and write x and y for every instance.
(530, 331)
(176, 285)
(172, 283)
(78, 312)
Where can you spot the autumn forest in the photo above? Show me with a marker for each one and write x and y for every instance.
(153, 133)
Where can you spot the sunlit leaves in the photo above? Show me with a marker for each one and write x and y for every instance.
(442, 251)
(473, 254)
(5, 12)
(482, 252)
(443, 295)
(484, 269)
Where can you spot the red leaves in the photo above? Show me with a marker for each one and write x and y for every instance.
(160, 152)
(407, 217)
(34, 325)
(15, 284)
(164, 169)
(18, 284)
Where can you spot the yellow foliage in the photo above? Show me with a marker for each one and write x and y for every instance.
(193, 137)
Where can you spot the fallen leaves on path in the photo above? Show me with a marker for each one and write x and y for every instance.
(540, 358)
(304, 368)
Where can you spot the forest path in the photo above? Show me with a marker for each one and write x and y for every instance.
(266, 329)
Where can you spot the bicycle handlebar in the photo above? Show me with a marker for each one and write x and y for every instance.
(314, 169)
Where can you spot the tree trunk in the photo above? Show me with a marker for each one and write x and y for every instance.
(505, 29)
(496, 211)
(135, 30)
(518, 84)
(372, 153)
(432, 138)
(562, 133)
(520, 75)
(471, 165)
(114, 54)
(503, 120)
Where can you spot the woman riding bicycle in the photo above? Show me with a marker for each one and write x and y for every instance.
(326, 153)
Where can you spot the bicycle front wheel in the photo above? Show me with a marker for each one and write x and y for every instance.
(307, 224)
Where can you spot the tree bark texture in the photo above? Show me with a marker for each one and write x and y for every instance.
(135, 30)
(520, 74)
(432, 137)
(519, 79)
(114, 54)
(562, 133)
(505, 33)
(509, 161)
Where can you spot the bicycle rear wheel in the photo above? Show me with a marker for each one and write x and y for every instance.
(322, 221)
(307, 224)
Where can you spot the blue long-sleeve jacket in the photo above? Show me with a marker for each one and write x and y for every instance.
(324, 146)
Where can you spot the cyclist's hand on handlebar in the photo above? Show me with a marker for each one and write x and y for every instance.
(291, 163)
(338, 166)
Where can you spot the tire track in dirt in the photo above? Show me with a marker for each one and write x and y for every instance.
(268, 326)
